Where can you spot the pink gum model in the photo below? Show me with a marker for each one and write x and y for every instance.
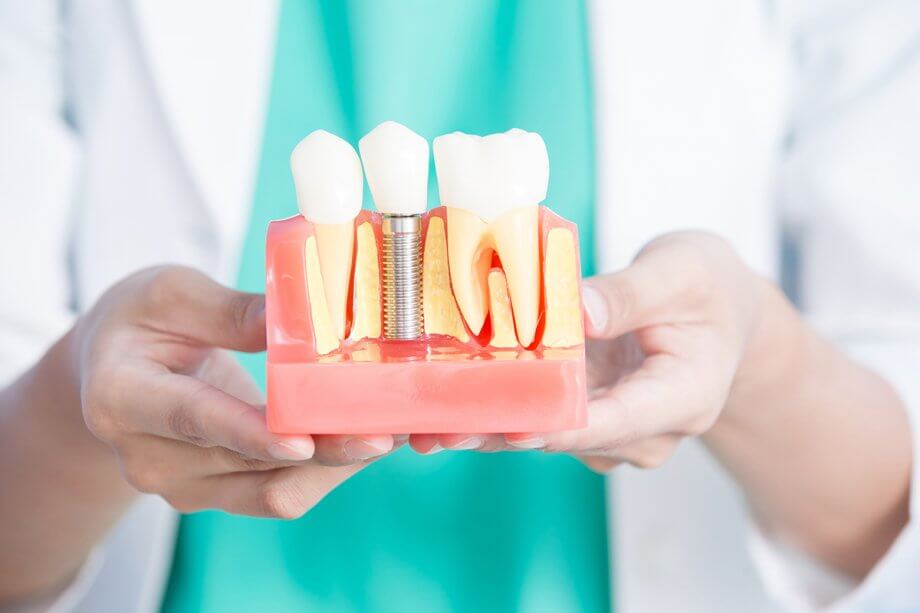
(436, 384)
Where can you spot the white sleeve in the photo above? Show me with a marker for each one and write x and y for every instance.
(851, 189)
(38, 156)
(38, 160)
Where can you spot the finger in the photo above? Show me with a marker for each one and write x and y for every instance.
(186, 302)
(425, 444)
(285, 493)
(648, 453)
(643, 294)
(187, 409)
(600, 464)
(158, 465)
(473, 442)
(345, 449)
(645, 403)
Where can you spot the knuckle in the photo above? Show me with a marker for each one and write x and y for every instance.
(101, 395)
(278, 499)
(185, 425)
(238, 311)
(236, 461)
(164, 287)
(654, 455)
(184, 504)
(145, 478)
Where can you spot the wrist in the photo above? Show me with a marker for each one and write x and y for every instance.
(773, 363)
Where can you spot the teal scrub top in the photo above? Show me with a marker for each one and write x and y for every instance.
(457, 531)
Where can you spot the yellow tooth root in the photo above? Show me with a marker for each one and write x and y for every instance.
(440, 309)
(367, 285)
(564, 323)
(470, 259)
(323, 332)
(516, 236)
(500, 311)
(335, 245)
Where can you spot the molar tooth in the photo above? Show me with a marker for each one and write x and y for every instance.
(327, 177)
(492, 187)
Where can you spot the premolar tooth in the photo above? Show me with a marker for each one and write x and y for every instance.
(396, 166)
(498, 181)
(327, 177)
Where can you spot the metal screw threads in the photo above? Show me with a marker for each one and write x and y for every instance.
(403, 318)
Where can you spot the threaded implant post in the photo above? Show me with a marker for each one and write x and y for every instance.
(403, 318)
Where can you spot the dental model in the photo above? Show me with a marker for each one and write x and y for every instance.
(465, 318)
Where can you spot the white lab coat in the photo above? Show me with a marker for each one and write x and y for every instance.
(129, 136)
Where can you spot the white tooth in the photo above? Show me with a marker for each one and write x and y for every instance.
(501, 179)
(396, 166)
(327, 177)
(491, 175)
(463, 180)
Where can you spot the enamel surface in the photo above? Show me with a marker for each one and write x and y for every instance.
(491, 175)
(396, 166)
(327, 177)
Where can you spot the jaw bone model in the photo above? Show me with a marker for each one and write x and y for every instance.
(501, 343)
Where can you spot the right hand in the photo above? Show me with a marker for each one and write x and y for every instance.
(182, 416)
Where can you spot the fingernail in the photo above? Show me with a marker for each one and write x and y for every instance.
(356, 449)
(436, 449)
(595, 307)
(529, 443)
(295, 449)
(468, 444)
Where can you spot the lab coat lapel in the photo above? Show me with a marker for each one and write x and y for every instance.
(210, 62)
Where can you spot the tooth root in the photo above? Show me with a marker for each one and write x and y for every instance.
(367, 285)
(440, 308)
(470, 261)
(500, 311)
(323, 333)
(336, 246)
(564, 322)
(516, 236)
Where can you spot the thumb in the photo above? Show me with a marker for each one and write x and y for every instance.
(637, 296)
(187, 302)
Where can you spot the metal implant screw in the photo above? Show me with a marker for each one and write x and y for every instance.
(403, 318)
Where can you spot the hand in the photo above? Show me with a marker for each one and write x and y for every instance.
(182, 416)
(670, 338)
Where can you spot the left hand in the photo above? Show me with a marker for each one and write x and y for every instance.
(671, 339)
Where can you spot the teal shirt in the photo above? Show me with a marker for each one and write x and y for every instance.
(458, 531)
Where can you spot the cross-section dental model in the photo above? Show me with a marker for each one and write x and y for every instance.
(465, 318)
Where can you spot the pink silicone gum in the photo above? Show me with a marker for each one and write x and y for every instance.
(436, 384)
